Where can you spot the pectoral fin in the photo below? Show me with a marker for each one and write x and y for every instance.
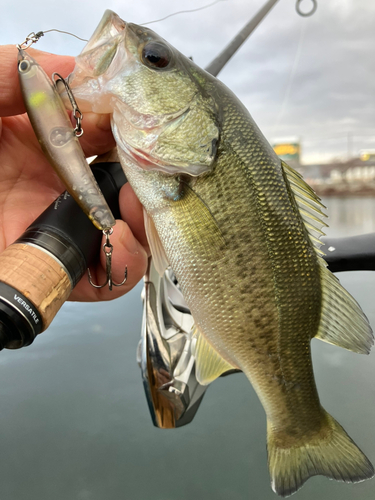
(202, 232)
(157, 250)
(209, 364)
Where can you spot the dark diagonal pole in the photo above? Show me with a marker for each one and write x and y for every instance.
(220, 61)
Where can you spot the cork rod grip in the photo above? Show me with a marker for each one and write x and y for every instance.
(38, 276)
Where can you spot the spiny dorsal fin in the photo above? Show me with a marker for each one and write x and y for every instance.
(309, 205)
(209, 365)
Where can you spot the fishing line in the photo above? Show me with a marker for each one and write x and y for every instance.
(184, 12)
(66, 33)
(35, 37)
(291, 76)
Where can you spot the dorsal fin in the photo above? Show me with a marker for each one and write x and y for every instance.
(309, 205)
(342, 321)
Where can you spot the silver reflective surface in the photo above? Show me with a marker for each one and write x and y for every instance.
(75, 423)
(165, 352)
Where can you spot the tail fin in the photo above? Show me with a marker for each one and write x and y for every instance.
(330, 453)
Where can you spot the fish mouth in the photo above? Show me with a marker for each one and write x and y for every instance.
(105, 56)
(109, 27)
(94, 67)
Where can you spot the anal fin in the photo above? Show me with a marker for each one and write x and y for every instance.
(209, 365)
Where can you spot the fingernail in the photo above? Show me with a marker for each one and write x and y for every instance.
(129, 242)
(104, 123)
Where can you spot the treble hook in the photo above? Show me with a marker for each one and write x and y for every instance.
(77, 114)
(108, 249)
(306, 14)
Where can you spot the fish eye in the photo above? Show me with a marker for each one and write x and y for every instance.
(156, 55)
(24, 66)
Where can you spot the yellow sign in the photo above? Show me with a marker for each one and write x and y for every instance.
(288, 151)
(368, 155)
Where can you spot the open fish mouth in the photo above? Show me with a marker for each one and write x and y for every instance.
(90, 75)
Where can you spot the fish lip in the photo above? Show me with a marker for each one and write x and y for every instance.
(100, 36)
(80, 80)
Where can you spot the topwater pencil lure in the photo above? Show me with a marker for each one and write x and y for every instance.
(59, 142)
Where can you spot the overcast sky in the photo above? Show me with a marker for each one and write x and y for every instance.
(311, 78)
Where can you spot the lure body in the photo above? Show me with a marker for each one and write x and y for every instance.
(59, 143)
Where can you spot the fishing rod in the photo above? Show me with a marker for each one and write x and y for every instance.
(41, 268)
(221, 60)
(355, 253)
(228, 52)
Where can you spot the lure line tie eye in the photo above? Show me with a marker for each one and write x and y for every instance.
(29, 40)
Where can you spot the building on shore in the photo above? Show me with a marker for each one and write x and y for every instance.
(338, 178)
(353, 177)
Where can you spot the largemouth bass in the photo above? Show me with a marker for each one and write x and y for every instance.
(240, 229)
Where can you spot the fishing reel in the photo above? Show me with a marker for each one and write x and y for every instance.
(166, 354)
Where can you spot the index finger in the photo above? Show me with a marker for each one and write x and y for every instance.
(11, 102)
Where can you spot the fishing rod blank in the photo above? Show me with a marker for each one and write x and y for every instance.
(355, 253)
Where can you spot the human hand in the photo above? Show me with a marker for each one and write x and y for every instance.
(28, 183)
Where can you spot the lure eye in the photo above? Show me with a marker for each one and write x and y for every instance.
(24, 66)
(155, 55)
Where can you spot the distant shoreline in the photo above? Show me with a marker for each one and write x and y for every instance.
(344, 189)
